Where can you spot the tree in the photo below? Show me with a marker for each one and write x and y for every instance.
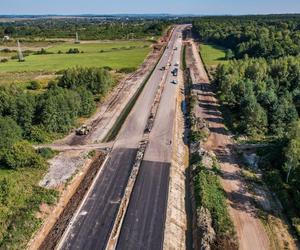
(87, 105)
(254, 116)
(96, 80)
(10, 133)
(229, 54)
(292, 154)
(9, 30)
(25, 112)
(57, 109)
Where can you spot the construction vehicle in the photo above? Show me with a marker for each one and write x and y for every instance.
(83, 130)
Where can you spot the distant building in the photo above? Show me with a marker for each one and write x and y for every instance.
(6, 38)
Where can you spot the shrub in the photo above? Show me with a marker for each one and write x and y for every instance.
(22, 155)
(34, 85)
(96, 80)
(73, 51)
(46, 153)
(196, 136)
(4, 191)
(127, 70)
(42, 52)
(210, 195)
(4, 60)
(39, 135)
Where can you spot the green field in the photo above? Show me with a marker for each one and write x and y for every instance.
(119, 54)
(212, 55)
(19, 208)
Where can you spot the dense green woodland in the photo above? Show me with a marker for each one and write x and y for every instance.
(255, 36)
(37, 117)
(87, 28)
(260, 92)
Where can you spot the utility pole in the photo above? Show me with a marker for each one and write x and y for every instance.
(77, 39)
(20, 54)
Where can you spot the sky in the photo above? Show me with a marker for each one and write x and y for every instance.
(201, 7)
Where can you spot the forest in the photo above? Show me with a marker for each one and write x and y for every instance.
(38, 118)
(259, 89)
(271, 36)
(88, 29)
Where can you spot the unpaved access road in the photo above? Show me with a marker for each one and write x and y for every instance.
(250, 231)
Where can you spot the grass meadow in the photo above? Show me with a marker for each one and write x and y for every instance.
(212, 55)
(113, 54)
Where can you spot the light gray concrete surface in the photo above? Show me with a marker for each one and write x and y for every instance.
(143, 226)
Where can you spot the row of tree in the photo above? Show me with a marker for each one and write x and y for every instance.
(87, 28)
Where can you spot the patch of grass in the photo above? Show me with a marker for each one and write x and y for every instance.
(18, 218)
(209, 194)
(118, 55)
(212, 54)
(197, 135)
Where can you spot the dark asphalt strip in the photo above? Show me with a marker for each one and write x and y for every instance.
(143, 226)
(92, 229)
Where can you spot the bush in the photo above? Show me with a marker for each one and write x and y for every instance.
(4, 60)
(42, 52)
(296, 224)
(46, 153)
(73, 51)
(22, 155)
(126, 70)
(34, 85)
(7, 50)
(96, 80)
(210, 195)
(107, 68)
(196, 136)
(87, 106)
(10, 133)
(4, 191)
(39, 135)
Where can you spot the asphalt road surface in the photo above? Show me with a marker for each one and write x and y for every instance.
(143, 226)
(91, 228)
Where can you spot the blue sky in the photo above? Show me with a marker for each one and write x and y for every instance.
(149, 6)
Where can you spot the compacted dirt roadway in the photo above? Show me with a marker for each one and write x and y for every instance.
(92, 225)
(250, 231)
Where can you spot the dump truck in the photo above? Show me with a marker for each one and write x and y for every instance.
(83, 130)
